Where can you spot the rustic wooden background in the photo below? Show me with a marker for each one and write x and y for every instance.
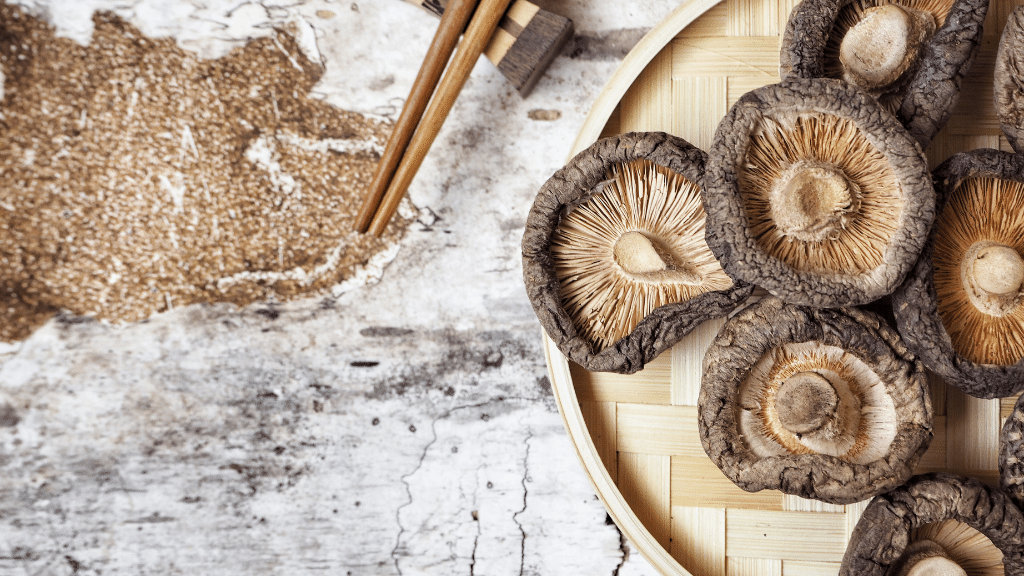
(402, 424)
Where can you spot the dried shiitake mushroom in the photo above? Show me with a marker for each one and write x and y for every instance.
(821, 403)
(614, 256)
(816, 194)
(937, 524)
(911, 54)
(962, 307)
(1011, 454)
(1009, 80)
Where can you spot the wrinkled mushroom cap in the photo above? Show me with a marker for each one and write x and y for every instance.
(816, 194)
(614, 258)
(962, 307)
(1009, 78)
(1011, 454)
(923, 49)
(855, 423)
(882, 543)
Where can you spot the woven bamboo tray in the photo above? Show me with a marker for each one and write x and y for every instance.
(636, 436)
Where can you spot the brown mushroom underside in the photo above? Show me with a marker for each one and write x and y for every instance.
(873, 198)
(916, 304)
(883, 532)
(758, 332)
(929, 91)
(563, 193)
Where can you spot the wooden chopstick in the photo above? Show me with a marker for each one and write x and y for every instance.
(453, 22)
(478, 34)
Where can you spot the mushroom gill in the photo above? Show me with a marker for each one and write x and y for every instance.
(937, 524)
(811, 398)
(978, 270)
(822, 403)
(818, 195)
(949, 548)
(636, 244)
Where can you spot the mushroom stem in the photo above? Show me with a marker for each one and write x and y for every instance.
(637, 255)
(883, 45)
(999, 270)
(812, 201)
(993, 275)
(926, 558)
(806, 402)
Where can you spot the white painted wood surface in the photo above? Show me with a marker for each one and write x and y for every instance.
(404, 425)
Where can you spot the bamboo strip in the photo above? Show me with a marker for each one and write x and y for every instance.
(726, 56)
(801, 568)
(792, 503)
(938, 389)
(714, 22)
(935, 457)
(785, 535)
(980, 119)
(696, 124)
(995, 20)
(1006, 406)
(687, 362)
(785, 8)
(652, 385)
(697, 482)
(753, 18)
(600, 419)
(972, 437)
(943, 148)
(662, 430)
(698, 539)
(753, 567)
(1004, 144)
(853, 514)
(649, 100)
(737, 86)
(613, 126)
(644, 481)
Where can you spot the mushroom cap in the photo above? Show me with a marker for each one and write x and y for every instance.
(964, 356)
(874, 230)
(925, 99)
(1008, 79)
(884, 411)
(883, 533)
(1011, 454)
(571, 188)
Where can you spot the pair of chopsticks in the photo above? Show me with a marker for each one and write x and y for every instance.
(411, 139)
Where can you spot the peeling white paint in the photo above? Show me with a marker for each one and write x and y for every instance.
(341, 145)
(305, 37)
(263, 153)
(175, 189)
(169, 461)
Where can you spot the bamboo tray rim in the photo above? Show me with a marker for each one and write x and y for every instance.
(632, 65)
(604, 106)
(617, 507)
